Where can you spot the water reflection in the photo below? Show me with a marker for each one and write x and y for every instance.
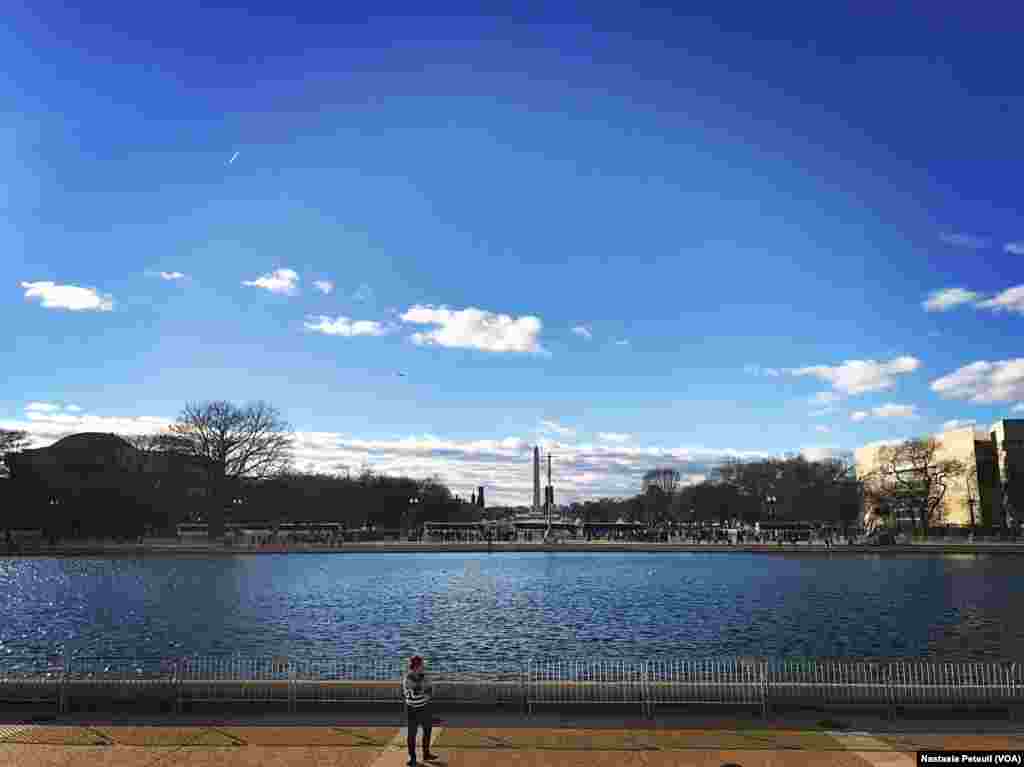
(506, 608)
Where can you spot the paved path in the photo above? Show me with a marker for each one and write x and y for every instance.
(96, 745)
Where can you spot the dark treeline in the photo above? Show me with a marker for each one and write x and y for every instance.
(221, 462)
(125, 504)
(780, 489)
(218, 462)
(380, 500)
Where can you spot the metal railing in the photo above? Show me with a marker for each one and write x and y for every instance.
(750, 682)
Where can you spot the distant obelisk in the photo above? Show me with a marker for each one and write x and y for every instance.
(536, 479)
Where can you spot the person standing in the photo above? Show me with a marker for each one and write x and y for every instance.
(418, 690)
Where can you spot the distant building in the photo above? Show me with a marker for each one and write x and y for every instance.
(83, 475)
(990, 457)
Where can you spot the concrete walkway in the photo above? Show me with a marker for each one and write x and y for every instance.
(484, 741)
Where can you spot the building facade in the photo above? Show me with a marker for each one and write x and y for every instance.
(985, 494)
(95, 482)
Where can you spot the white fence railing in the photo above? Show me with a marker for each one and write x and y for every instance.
(750, 682)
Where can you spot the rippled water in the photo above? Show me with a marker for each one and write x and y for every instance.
(499, 610)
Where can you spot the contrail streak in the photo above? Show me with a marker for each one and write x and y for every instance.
(233, 158)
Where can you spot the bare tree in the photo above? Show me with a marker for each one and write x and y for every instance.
(160, 442)
(11, 441)
(666, 479)
(971, 484)
(910, 478)
(237, 443)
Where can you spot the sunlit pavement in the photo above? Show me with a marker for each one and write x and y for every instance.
(231, 744)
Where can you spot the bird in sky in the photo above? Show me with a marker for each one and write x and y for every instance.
(233, 157)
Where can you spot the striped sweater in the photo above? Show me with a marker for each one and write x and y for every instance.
(417, 689)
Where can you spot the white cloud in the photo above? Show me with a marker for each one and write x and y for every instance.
(757, 370)
(46, 427)
(984, 382)
(957, 423)
(860, 376)
(42, 407)
(1018, 408)
(171, 275)
(557, 428)
(1016, 248)
(363, 293)
(622, 342)
(324, 286)
(281, 281)
(611, 436)
(503, 465)
(1010, 300)
(73, 409)
(890, 410)
(825, 453)
(826, 398)
(944, 300)
(583, 332)
(71, 297)
(343, 326)
(823, 429)
(964, 241)
(475, 329)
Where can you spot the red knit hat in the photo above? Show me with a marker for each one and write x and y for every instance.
(415, 661)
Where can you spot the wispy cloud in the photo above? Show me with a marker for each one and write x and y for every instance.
(944, 300)
(363, 293)
(957, 423)
(324, 286)
(622, 342)
(583, 332)
(42, 407)
(556, 428)
(72, 297)
(171, 275)
(984, 382)
(233, 158)
(1018, 408)
(826, 398)
(73, 409)
(757, 370)
(860, 376)
(1010, 300)
(823, 429)
(825, 453)
(1016, 248)
(474, 328)
(343, 326)
(503, 465)
(890, 410)
(964, 240)
(281, 281)
(612, 436)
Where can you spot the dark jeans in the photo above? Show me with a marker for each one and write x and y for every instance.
(419, 717)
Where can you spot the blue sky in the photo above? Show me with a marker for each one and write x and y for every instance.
(635, 236)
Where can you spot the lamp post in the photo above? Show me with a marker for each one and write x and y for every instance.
(410, 513)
